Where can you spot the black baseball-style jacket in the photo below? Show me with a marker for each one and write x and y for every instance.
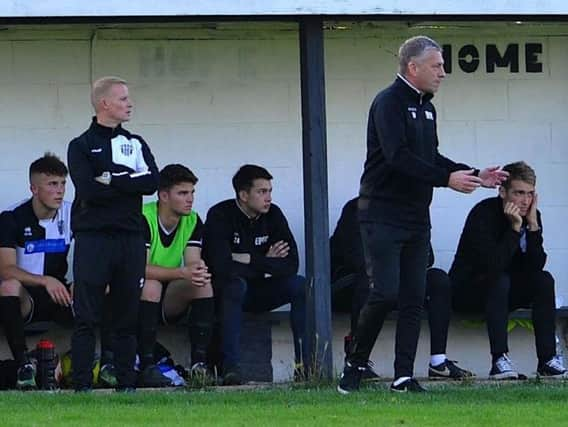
(229, 230)
(403, 163)
(118, 206)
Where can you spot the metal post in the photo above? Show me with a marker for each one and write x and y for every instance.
(312, 78)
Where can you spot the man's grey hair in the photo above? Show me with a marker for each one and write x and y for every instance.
(413, 48)
(101, 87)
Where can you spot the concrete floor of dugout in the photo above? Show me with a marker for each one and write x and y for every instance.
(467, 344)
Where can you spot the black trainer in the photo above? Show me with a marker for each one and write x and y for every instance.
(107, 376)
(369, 373)
(350, 378)
(410, 385)
(503, 369)
(233, 376)
(448, 370)
(152, 377)
(552, 369)
(26, 377)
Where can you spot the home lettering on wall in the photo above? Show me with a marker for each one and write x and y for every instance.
(469, 57)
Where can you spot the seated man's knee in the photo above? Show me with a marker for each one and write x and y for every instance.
(180, 294)
(11, 288)
(152, 291)
(196, 292)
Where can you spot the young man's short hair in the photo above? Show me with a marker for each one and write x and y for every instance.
(49, 164)
(101, 87)
(245, 176)
(519, 171)
(175, 174)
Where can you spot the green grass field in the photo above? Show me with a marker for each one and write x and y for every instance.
(528, 404)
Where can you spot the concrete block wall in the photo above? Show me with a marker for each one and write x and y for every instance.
(516, 116)
(483, 119)
(210, 104)
(215, 105)
(215, 99)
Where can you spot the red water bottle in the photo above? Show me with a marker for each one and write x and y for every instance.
(46, 364)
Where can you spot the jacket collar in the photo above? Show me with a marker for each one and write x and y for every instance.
(410, 91)
(104, 130)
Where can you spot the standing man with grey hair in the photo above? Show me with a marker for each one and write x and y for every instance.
(111, 170)
(402, 167)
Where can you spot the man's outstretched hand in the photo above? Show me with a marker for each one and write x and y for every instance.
(493, 176)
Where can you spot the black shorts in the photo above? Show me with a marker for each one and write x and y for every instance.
(44, 309)
(165, 320)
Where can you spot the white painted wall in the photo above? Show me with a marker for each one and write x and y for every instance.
(484, 119)
(214, 99)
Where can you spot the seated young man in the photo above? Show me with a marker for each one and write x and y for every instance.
(499, 267)
(177, 279)
(254, 261)
(347, 258)
(34, 242)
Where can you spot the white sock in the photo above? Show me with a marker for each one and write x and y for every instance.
(437, 359)
(400, 380)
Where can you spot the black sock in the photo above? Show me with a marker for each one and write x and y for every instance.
(148, 317)
(11, 317)
(200, 326)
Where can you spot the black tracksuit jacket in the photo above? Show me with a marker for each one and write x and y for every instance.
(489, 246)
(228, 230)
(118, 206)
(403, 163)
